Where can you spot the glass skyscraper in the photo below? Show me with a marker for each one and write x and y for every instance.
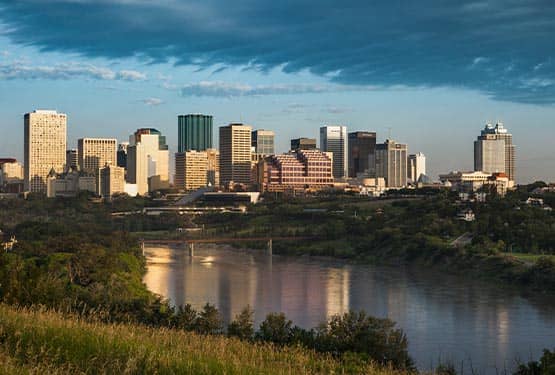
(194, 132)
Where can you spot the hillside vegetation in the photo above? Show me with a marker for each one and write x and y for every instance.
(39, 341)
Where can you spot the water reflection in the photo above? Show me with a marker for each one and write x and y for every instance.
(445, 317)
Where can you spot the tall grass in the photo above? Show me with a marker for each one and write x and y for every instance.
(40, 341)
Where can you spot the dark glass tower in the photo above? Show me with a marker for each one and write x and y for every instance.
(194, 132)
(362, 146)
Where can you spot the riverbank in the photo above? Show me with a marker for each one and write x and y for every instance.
(38, 341)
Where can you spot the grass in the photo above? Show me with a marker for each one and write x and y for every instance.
(34, 341)
(528, 257)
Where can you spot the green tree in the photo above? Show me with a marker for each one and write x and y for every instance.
(275, 328)
(209, 321)
(243, 325)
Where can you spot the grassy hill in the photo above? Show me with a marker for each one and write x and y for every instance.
(38, 341)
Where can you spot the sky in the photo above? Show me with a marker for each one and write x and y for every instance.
(428, 73)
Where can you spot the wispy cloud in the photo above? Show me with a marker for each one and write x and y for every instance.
(24, 70)
(229, 89)
(152, 101)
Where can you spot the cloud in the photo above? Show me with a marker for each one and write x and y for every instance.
(23, 70)
(430, 43)
(226, 89)
(152, 101)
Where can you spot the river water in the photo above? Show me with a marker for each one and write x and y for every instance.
(477, 325)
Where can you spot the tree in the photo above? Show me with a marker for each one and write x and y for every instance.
(185, 318)
(360, 333)
(209, 321)
(243, 325)
(546, 365)
(275, 328)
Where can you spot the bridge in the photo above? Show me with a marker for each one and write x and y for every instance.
(190, 242)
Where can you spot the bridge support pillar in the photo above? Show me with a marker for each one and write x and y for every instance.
(269, 249)
(143, 247)
(191, 246)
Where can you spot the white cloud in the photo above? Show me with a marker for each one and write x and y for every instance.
(153, 101)
(226, 89)
(23, 70)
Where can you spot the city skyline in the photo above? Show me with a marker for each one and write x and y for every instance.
(432, 96)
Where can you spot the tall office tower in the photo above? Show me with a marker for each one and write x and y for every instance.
(488, 156)
(194, 132)
(72, 159)
(362, 147)
(196, 169)
(45, 147)
(334, 139)
(95, 153)
(263, 142)
(122, 154)
(416, 166)
(111, 180)
(303, 144)
(235, 154)
(148, 160)
(391, 163)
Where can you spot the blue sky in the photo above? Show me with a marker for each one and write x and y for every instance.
(434, 72)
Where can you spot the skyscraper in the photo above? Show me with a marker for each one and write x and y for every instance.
(391, 163)
(148, 160)
(122, 154)
(416, 166)
(196, 169)
(263, 142)
(362, 147)
(95, 153)
(111, 180)
(303, 144)
(45, 147)
(194, 132)
(72, 159)
(235, 154)
(494, 151)
(334, 139)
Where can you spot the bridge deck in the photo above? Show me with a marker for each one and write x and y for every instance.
(223, 240)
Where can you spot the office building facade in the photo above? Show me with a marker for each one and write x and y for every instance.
(416, 166)
(391, 163)
(263, 142)
(494, 151)
(194, 132)
(334, 139)
(196, 169)
(45, 134)
(295, 171)
(303, 144)
(235, 154)
(72, 159)
(362, 148)
(95, 153)
(111, 181)
(148, 161)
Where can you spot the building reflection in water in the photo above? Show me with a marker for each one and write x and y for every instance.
(444, 317)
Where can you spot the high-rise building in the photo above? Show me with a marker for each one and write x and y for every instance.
(391, 163)
(334, 139)
(196, 169)
(416, 166)
(263, 142)
(494, 151)
(45, 147)
(94, 153)
(303, 144)
(122, 154)
(298, 170)
(194, 132)
(11, 176)
(72, 159)
(111, 180)
(235, 154)
(148, 161)
(362, 147)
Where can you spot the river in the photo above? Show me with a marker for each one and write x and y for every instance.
(478, 325)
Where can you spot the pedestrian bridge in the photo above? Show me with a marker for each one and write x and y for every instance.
(190, 242)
